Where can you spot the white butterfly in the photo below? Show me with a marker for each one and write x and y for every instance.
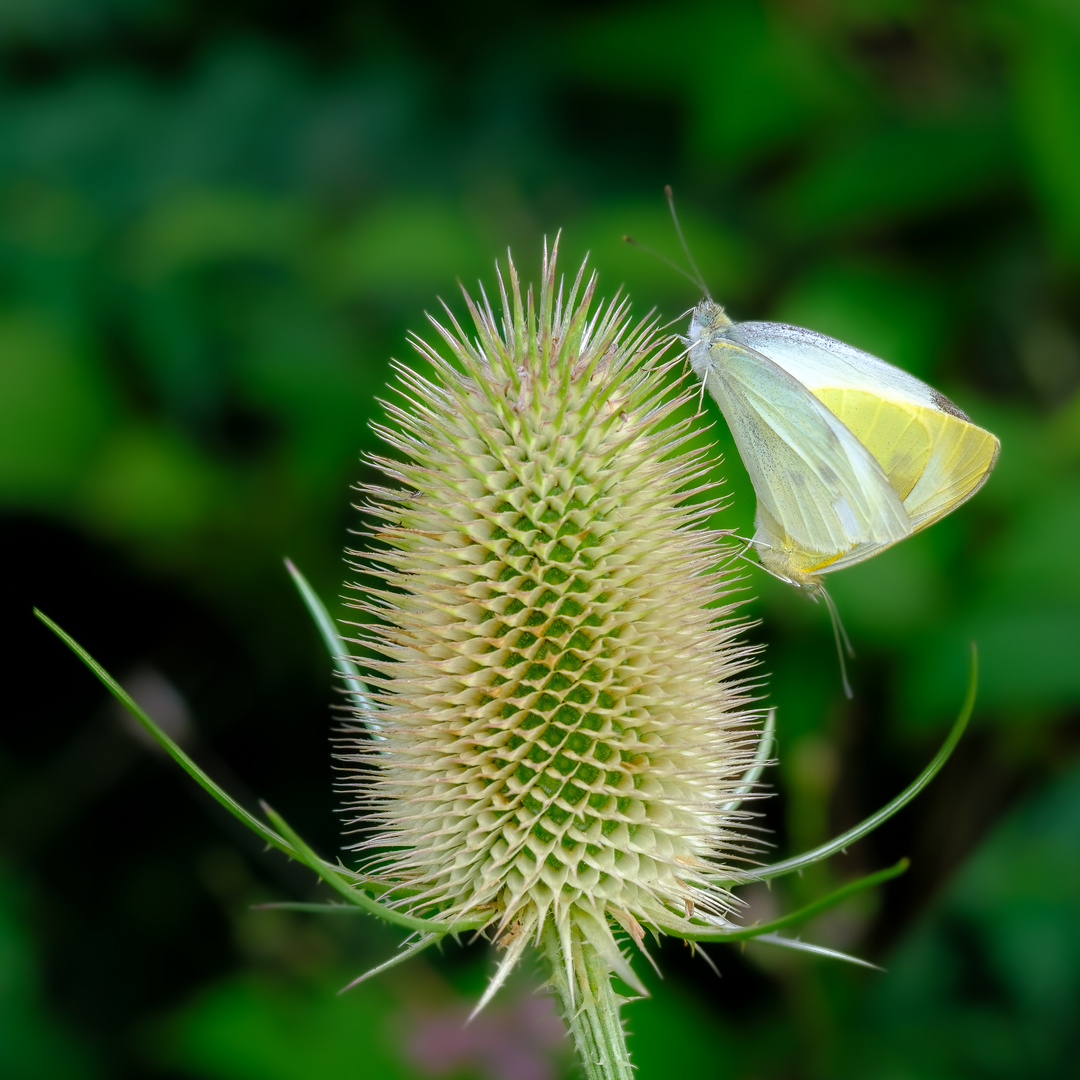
(847, 454)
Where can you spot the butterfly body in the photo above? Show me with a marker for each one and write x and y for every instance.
(847, 453)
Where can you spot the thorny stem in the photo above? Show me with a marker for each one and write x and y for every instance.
(589, 1004)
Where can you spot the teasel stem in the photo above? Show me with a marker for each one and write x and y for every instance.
(581, 982)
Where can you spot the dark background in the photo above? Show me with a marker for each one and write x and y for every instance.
(217, 221)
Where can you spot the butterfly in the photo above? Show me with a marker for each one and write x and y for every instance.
(847, 453)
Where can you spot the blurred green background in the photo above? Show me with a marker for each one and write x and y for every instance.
(218, 218)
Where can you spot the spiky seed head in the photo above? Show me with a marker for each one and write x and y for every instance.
(559, 718)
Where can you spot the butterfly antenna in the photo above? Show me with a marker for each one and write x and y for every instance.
(840, 636)
(699, 280)
(664, 259)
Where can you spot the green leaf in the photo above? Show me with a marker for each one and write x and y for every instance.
(844, 840)
(334, 645)
(407, 953)
(807, 912)
(337, 879)
(173, 750)
(342, 881)
(757, 766)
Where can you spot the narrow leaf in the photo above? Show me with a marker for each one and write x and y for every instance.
(174, 751)
(406, 954)
(817, 950)
(749, 933)
(332, 639)
(887, 811)
(311, 909)
(757, 766)
(285, 840)
(338, 880)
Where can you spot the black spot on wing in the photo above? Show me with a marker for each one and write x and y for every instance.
(946, 406)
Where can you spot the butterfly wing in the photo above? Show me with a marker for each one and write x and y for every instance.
(822, 497)
(817, 360)
(933, 455)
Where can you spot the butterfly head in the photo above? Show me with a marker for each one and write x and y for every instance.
(709, 319)
(708, 323)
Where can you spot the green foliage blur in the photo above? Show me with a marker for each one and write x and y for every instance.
(218, 219)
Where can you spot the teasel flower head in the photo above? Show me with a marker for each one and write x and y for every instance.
(559, 723)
